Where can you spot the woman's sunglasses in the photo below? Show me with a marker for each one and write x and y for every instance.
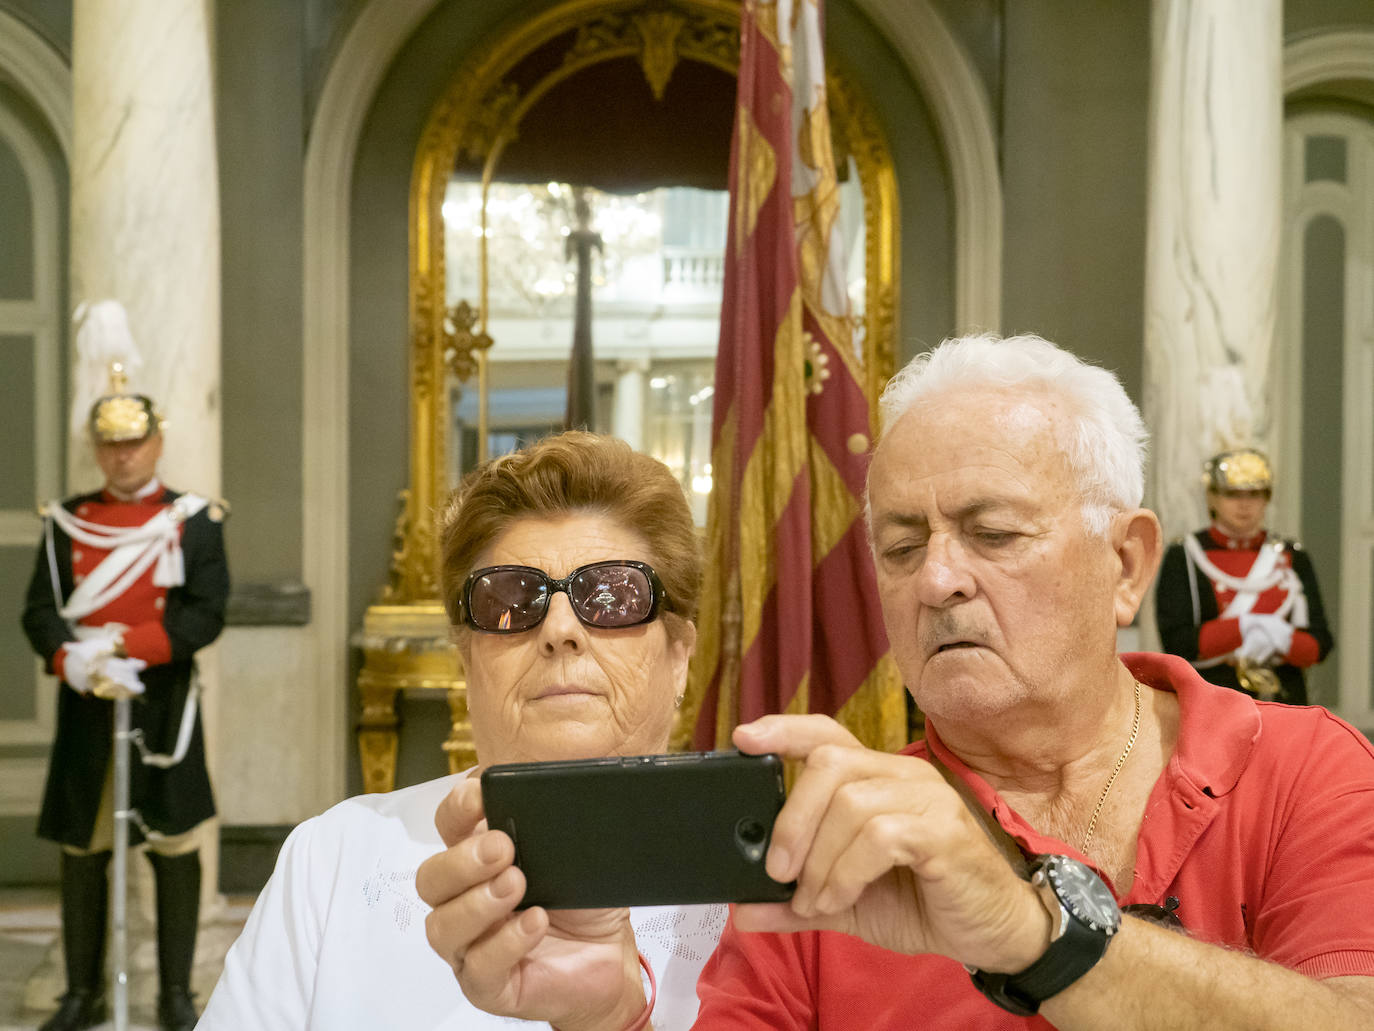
(608, 595)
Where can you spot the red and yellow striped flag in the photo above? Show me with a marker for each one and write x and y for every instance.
(789, 618)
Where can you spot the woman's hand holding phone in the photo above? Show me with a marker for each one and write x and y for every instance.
(576, 969)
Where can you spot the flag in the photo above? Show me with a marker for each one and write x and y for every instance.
(789, 618)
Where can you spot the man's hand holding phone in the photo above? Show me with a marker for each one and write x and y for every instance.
(575, 969)
(883, 849)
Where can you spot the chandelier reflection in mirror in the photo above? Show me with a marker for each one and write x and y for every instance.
(656, 279)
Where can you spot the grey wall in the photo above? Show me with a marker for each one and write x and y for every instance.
(326, 25)
(1075, 107)
(1301, 17)
(1323, 342)
(980, 27)
(926, 303)
(261, 135)
(51, 19)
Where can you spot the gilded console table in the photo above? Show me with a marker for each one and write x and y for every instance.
(407, 646)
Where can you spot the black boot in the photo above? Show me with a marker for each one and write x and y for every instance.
(78, 1010)
(85, 903)
(175, 1010)
(178, 913)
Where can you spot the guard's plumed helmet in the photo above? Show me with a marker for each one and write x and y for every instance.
(1237, 470)
(105, 347)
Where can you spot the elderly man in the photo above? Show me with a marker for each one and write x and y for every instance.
(979, 880)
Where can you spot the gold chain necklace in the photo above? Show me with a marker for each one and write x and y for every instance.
(1135, 731)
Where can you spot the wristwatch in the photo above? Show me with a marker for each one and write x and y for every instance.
(1085, 917)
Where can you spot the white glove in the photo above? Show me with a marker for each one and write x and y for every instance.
(1264, 636)
(82, 658)
(119, 677)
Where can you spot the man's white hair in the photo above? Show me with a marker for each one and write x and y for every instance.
(1105, 442)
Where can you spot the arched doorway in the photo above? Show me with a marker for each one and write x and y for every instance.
(35, 140)
(1324, 410)
(934, 60)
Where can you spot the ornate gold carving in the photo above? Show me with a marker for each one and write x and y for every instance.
(460, 341)
(712, 40)
(601, 38)
(660, 35)
(405, 647)
(658, 54)
(458, 744)
(855, 125)
(395, 592)
(377, 734)
(489, 124)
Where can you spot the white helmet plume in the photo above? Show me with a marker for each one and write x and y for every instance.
(103, 340)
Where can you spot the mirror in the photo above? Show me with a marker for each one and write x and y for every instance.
(656, 279)
(628, 103)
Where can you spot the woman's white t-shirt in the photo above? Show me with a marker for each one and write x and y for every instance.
(337, 938)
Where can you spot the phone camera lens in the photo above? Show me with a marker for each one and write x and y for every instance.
(750, 835)
(750, 832)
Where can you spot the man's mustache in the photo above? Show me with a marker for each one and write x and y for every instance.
(945, 628)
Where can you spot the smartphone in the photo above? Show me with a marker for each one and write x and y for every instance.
(640, 830)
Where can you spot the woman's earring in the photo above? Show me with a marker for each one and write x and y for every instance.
(677, 702)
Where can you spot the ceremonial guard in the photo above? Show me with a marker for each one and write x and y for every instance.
(129, 583)
(1241, 605)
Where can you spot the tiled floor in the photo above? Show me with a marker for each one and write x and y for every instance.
(31, 974)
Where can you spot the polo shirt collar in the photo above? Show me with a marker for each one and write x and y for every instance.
(1218, 730)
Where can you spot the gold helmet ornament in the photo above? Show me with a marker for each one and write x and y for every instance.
(105, 347)
(1242, 469)
(121, 416)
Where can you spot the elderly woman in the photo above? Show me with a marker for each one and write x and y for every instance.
(570, 574)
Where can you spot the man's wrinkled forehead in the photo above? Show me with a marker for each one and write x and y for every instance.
(991, 442)
(974, 424)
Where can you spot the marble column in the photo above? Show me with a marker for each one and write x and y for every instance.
(145, 209)
(145, 232)
(1211, 287)
(627, 419)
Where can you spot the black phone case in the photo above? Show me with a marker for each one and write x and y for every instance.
(640, 830)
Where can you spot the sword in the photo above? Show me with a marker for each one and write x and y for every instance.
(104, 687)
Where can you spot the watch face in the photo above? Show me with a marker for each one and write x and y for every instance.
(1083, 894)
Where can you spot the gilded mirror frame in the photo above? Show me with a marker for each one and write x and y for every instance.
(477, 115)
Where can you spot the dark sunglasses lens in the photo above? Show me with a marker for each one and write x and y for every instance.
(612, 595)
(507, 599)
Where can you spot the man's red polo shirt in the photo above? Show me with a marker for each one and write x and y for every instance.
(1262, 825)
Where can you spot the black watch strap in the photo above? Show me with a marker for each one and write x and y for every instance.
(1022, 993)
(1088, 917)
